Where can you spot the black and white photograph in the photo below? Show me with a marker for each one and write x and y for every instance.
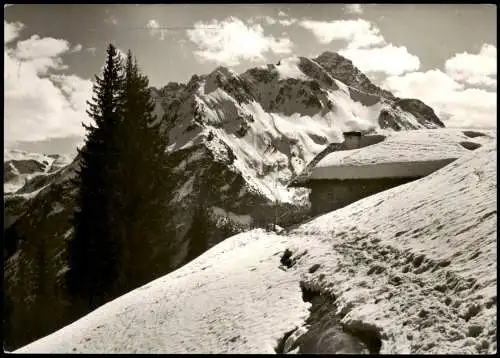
(250, 178)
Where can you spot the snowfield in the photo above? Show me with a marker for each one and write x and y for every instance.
(416, 264)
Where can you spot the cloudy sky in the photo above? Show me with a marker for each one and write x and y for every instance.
(445, 55)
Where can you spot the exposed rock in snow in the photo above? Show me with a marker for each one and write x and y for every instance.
(412, 268)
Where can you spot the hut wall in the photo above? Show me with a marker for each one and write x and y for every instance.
(328, 195)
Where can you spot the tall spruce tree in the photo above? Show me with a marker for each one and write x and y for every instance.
(142, 181)
(93, 251)
(121, 218)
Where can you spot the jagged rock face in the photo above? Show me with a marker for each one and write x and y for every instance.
(236, 141)
(342, 69)
(424, 114)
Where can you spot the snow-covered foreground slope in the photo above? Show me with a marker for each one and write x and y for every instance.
(416, 264)
(232, 299)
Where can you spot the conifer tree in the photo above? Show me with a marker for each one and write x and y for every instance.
(143, 177)
(93, 251)
(198, 233)
(121, 219)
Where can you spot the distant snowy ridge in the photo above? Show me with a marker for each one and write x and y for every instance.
(21, 166)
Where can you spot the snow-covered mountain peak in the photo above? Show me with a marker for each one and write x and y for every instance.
(226, 72)
(287, 113)
(344, 70)
(333, 58)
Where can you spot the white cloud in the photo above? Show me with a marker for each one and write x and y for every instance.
(77, 48)
(475, 69)
(11, 30)
(282, 13)
(42, 54)
(37, 104)
(92, 50)
(229, 41)
(390, 59)
(154, 29)
(269, 20)
(36, 47)
(358, 33)
(287, 22)
(272, 21)
(452, 102)
(353, 9)
(266, 19)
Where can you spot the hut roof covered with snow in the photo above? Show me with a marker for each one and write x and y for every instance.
(404, 154)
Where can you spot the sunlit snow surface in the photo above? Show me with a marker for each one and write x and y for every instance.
(417, 262)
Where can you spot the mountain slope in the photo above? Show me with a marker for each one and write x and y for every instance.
(235, 143)
(411, 268)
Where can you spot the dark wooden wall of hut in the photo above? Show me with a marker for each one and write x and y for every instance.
(328, 195)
